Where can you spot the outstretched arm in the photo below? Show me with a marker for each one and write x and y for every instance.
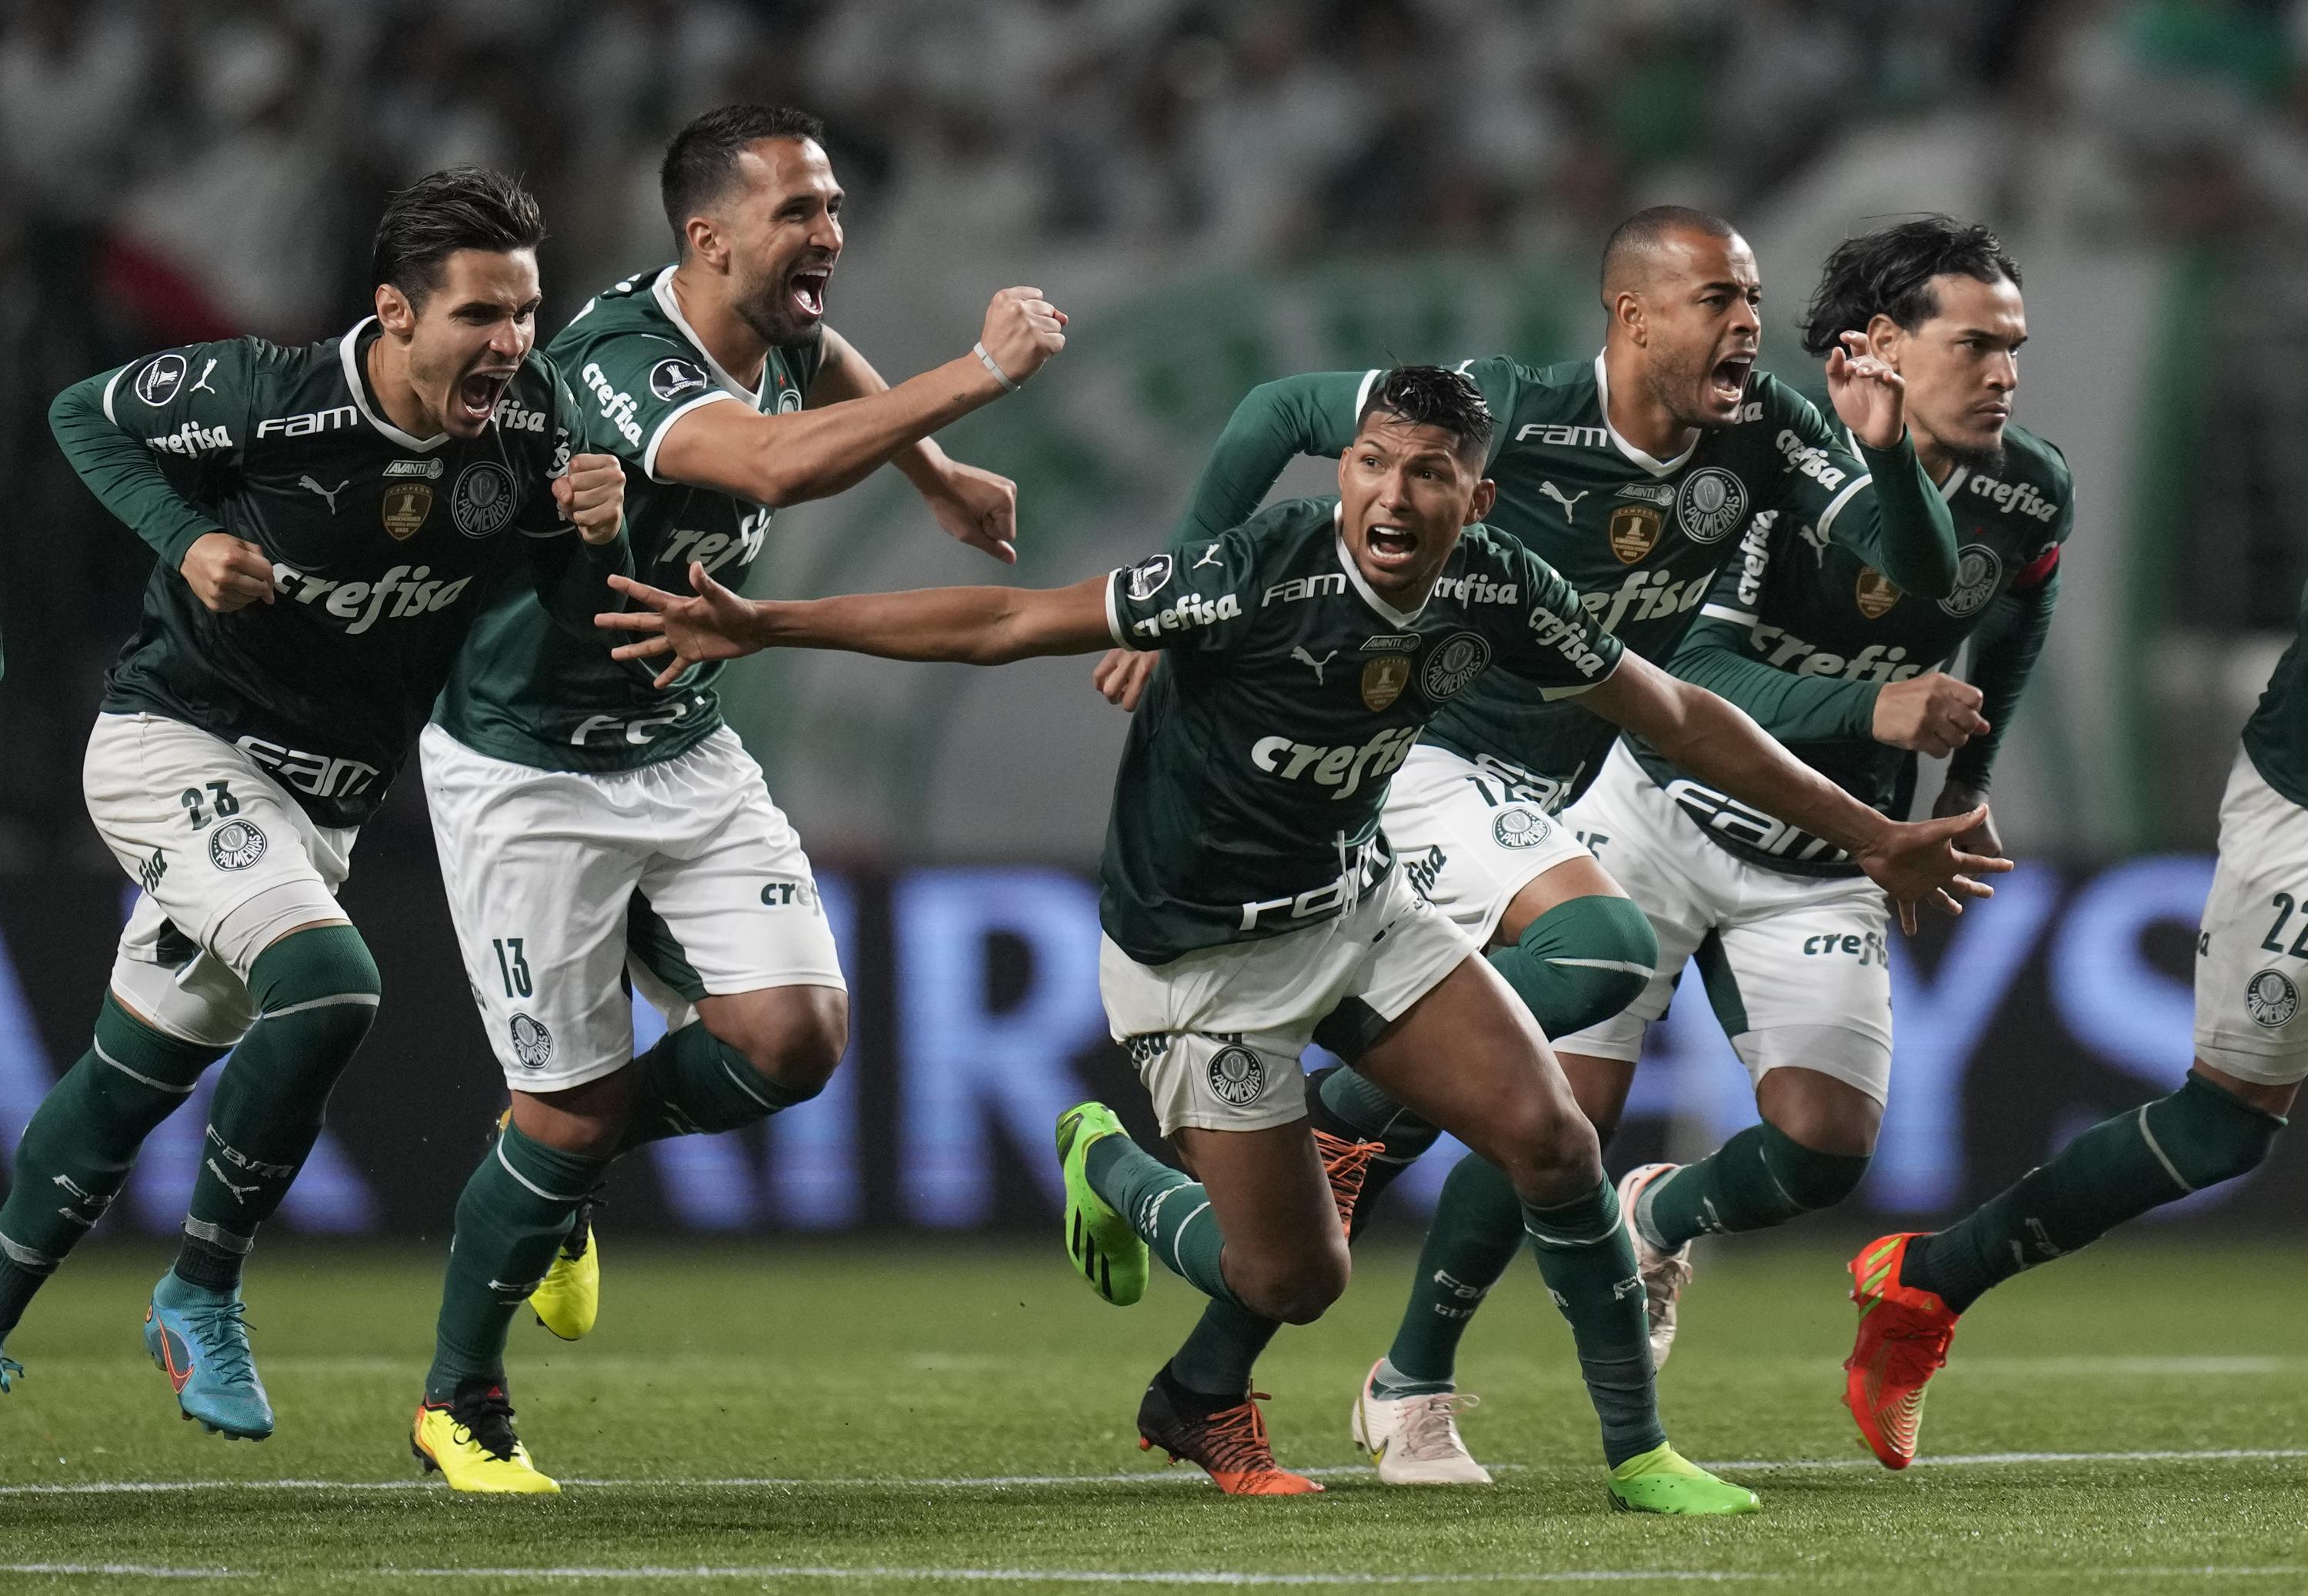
(1716, 743)
(971, 625)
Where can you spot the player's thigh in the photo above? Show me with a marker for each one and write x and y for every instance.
(728, 903)
(1285, 1252)
(228, 862)
(2251, 951)
(1463, 838)
(538, 867)
(1803, 981)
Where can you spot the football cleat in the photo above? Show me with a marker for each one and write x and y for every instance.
(1229, 1444)
(1662, 1481)
(1664, 1273)
(1415, 1439)
(1346, 1164)
(1104, 1249)
(10, 1369)
(468, 1440)
(199, 1339)
(1903, 1342)
(569, 1299)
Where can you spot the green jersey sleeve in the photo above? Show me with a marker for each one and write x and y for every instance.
(162, 440)
(1878, 502)
(1557, 646)
(640, 384)
(1718, 654)
(2011, 637)
(1167, 601)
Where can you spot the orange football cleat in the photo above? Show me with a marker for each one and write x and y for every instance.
(1903, 1342)
(1230, 1445)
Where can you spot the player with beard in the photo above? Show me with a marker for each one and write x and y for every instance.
(1636, 474)
(329, 521)
(1809, 638)
(1247, 890)
(592, 824)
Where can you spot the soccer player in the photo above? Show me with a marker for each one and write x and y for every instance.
(1834, 659)
(1638, 475)
(328, 521)
(589, 822)
(1248, 891)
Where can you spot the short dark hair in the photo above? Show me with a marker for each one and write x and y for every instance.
(1433, 396)
(1889, 272)
(1648, 229)
(701, 161)
(461, 207)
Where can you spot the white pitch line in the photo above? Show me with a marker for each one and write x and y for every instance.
(127, 1571)
(1166, 1477)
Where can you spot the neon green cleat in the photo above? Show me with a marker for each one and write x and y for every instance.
(1662, 1481)
(569, 1299)
(1104, 1247)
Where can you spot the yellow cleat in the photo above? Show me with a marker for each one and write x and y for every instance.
(469, 1441)
(569, 1299)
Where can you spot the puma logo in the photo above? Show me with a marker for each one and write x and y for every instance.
(1304, 659)
(238, 1192)
(328, 494)
(1555, 494)
(203, 383)
(1209, 557)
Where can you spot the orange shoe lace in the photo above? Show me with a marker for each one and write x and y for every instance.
(1347, 1163)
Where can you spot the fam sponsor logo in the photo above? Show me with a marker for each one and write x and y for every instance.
(1735, 823)
(2016, 498)
(1343, 766)
(1563, 435)
(618, 408)
(324, 776)
(1191, 610)
(191, 439)
(1809, 460)
(1476, 587)
(1299, 588)
(1370, 863)
(400, 594)
(305, 423)
(638, 730)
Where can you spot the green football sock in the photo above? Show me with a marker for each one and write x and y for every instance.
(693, 1083)
(1580, 963)
(511, 1221)
(1219, 1352)
(1473, 1238)
(1170, 1213)
(83, 1141)
(316, 992)
(2143, 1158)
(1760, 1178)
(1589, 1263)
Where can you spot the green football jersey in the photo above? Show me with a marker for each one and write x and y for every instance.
(383, 546)
(525, 693)
(1641, 539)
(1799, 605)
(2276, 734)
(1248, 804)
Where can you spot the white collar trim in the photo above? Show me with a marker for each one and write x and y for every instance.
(662, 292)
(1387, 611)
(1656, 467)
(349, 349)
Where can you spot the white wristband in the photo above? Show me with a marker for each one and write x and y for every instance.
(988, 361)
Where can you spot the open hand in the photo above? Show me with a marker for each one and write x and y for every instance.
(1870, 397)
(716, 624)
(1122, 674)
(1919, 860)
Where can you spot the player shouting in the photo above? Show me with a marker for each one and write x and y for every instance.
(328, 521)
(1248, 891)
(591, 823)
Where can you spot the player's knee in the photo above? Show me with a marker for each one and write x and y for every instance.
(324, 979)
(796, 1043)
(1551, 1158)
(1812, 1180)
(1295, 1288)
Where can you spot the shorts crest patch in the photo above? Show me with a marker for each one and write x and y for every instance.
(1520, 827)
(1238, 1076)
(2271, 1000)
(532, 1043)
(236, 845)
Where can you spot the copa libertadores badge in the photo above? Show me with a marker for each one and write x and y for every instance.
(236, 845)
(482, 501)
(532, 1043)
(2271, 1000)
(1238, 1076)
(1148, 578)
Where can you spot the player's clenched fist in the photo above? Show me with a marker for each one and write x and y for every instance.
(227, 572)
(592, 494)
(1022, 331)
(1932, 714)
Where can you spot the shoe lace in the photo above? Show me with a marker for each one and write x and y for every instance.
(1429, 1425)
(580, 1227)
(1235, 1438)
(484, 1415)
(222, 1333)
(1347, 1165)
(1664, 1281)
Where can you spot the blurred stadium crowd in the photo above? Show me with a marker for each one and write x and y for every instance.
(176, 169)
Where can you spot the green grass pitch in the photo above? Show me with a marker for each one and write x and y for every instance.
(857, 1418)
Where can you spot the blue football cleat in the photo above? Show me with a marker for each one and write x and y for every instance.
(197, 1338)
